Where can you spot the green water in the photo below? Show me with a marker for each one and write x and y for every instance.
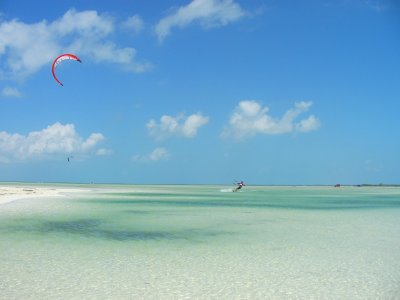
(203, 242)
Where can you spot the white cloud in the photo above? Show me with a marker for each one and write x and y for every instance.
(26, 48)
(56, 139)
(209, 13)
(250, 118)
(103, 152)
(192, 124)
(134, 23)
(309, 124)
(11, 92)
(156, 155)
(91, 142)
(176, 126)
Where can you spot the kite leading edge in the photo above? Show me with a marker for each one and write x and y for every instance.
(58, 60)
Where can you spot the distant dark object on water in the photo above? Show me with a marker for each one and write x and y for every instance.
(337, 185)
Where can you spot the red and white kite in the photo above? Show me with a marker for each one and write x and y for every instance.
(58, 60)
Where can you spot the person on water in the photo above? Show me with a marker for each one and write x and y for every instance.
(239, 186)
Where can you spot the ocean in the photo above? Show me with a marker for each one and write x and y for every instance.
(202, 242)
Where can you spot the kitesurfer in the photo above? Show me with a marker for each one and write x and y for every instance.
(239, 186)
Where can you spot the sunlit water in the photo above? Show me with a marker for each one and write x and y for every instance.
(202, 242)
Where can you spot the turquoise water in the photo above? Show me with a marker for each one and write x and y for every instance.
(202, 242)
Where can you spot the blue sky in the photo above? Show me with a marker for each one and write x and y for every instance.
(201, 91)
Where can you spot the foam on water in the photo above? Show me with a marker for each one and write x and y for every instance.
(174, 242)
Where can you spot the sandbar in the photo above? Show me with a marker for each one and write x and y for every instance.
(10, 193)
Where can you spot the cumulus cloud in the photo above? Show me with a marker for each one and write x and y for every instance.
(309, 124)
(10, 92)
(134, 24)
(26, 48)
(209, 13)
(250, 118)
(156, 155)
(54, 140)
(181, 126)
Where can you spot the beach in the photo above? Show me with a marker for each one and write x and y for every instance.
(9, 193)
(197, 242)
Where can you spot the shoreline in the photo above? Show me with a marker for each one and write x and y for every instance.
(10, 193)
(94, 184)
(13, 191)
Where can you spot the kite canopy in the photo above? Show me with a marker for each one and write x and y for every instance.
(58, 60)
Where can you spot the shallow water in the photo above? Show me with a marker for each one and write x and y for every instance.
(176, 242)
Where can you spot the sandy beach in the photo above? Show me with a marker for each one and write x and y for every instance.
(9, 193)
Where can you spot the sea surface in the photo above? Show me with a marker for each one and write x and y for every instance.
(202, 242)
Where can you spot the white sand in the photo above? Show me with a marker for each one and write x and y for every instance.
(9, 193)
